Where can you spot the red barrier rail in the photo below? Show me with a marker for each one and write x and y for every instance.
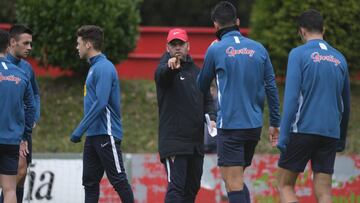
(142, 62)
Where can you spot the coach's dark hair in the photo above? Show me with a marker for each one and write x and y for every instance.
(311, 20)
(224, 13)
(4, 40)
(19, 29)
(93, 34)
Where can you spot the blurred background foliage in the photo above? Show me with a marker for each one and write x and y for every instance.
(56, 22)
(274, 23)
(188, 12)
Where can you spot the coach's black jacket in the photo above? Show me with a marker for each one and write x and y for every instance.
(182, 107)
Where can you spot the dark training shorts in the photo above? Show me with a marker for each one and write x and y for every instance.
(320, 150)
(9, 159)
(237, 147)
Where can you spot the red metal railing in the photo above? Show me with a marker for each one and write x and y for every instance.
(142, 62)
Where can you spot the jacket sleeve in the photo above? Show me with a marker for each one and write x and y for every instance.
(291, 97)
(345, 115)
(207, 73)
(209, 105)
(36, 92)
(104, 78)
(272, 93)
(29, 108)
(163, 74)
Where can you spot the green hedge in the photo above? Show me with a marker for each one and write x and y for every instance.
(55, 23)
(274, 23)
(188, 12)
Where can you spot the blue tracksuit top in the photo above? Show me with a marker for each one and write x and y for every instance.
(16, 92)
(317, 92)
(101, 100)
(244, 74)
(25, 66)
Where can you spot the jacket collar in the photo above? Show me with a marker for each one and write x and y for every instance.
(96, 58)
(220, 33)
(13, 59)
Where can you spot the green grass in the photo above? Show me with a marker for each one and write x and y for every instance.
(62, 110)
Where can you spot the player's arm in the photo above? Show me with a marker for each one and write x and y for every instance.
(164, 75)
(207, 73)
(272, 95)
(291, 97)
(36, 92)
(103, 77)
(345, 115)
(209, 105)
(29, 108)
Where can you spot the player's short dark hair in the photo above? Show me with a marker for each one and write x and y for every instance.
(4, 40)
(19, 29)
(224, 13)
(93, 34)
(311, 20)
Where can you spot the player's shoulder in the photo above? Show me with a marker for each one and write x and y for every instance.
(299, 50)
(103, 61)
(104, 66)
(107, 63)
(215, 44)
(25, 62)
(16, 71)
(337, 52)
(254, 44)
(26, 66)
(214, 47)
(7, 65)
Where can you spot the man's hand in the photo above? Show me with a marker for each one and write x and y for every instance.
(174, 62)
(23, 149)
(75, 139)
(212, 124)
(273, 135)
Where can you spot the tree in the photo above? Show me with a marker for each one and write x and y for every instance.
(274, 23)
(188, 12)
(55, 22)
(7, 11)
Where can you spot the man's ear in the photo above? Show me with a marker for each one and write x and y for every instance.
(12, 41)
(238, 22)
(216, 25)
(88, 44)
(167, 48)
(188, 46)
(302, 31)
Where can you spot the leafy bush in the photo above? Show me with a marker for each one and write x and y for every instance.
(7, 11)
(274, 23)
(197, 13)
(55, 23)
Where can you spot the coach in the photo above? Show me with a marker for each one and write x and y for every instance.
(181, 119)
